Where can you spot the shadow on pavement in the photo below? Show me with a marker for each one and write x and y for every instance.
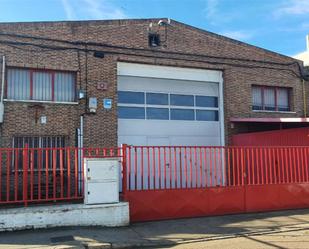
(163, 233)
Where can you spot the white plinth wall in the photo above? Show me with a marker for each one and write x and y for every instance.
(110, 215)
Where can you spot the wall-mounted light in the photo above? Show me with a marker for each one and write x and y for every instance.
(81, 94)
(153, 40)
(98, 54)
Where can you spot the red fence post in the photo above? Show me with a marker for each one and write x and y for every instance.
(25, 174)
(124, 171)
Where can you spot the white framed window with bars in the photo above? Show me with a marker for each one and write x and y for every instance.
(40, 85)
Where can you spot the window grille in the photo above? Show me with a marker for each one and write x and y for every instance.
(45, 151)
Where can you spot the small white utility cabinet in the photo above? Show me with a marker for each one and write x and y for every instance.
(101, 180)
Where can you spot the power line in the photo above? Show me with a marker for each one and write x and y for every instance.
(142, 49)
(61, 48)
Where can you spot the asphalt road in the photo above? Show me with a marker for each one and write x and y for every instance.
(284, 229)
(294, 239)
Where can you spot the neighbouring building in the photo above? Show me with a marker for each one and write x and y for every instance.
(141, 82)
(304, 56)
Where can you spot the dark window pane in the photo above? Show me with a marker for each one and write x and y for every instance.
(157, 99)
(257, 107)
(182, 100)
(131, 97)
(270, 108)
(206, 115)
(206, 101)
(182, 114)
(283, 109)
(131, 112)
(157, 113)
(37, 143)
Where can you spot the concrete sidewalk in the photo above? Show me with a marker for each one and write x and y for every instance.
(167, 234)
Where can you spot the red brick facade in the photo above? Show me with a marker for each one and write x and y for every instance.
(181, 46)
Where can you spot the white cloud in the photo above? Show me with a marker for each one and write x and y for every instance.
(91, 9)
(293, 7)
(241, 35)
(216, 15)
(68, 9)
(304, 26)
(211, 9)
(102, 9)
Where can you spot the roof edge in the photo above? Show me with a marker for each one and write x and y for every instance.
(234, 40)
(88, 21)
(154, 19)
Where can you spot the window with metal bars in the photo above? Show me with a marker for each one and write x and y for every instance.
(44, 153)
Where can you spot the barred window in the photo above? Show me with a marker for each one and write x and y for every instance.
(40, 85)
(39, 157)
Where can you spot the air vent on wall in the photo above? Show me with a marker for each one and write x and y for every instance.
(154, 40)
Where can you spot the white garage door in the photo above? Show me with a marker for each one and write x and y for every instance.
(160, 105)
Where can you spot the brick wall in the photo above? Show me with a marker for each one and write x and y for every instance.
(101, 128)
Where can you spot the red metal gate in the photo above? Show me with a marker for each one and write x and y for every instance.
(163, 182)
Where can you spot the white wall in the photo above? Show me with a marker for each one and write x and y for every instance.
(64, 215)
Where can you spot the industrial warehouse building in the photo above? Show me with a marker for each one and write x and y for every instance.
(174, 97)
(141, 82)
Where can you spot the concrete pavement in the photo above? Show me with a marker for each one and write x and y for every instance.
(285, 229)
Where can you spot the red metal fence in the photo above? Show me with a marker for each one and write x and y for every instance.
(184, 181)
(166, 167)
(162, 182)
(32, 175)
(40, 175)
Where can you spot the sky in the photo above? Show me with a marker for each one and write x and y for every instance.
(277, 25)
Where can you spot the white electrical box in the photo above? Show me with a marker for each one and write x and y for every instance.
(101, 180)
(92, 104)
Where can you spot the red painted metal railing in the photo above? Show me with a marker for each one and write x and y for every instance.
(31, 175)
(167, 182)
(181, 167)
(36, 175)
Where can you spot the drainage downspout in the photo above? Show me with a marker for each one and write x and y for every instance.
(305, 100)
(2, 90)
(80, 152)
